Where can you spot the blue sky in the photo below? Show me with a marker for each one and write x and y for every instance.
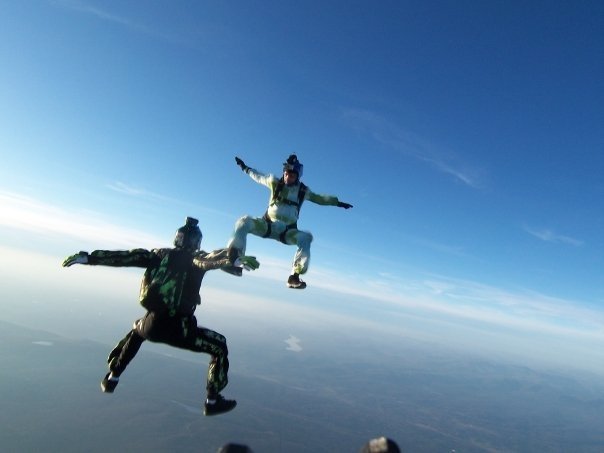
(467, 135)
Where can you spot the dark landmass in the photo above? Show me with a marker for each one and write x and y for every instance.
(52, 402)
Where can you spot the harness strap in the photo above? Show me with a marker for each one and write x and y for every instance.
(269, 222)
(277, 199)
(277, 195)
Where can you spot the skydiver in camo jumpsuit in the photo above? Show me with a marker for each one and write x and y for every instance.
(280, 222)
(170, 293)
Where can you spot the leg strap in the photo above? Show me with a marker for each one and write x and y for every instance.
(293, 226)
(269, 223)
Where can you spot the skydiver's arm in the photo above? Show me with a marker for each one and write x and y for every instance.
(122, 258)
(267, 180)
(223, 258)
(325, 200)
(212, 260)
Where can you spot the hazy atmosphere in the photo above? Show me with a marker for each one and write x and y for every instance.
(464, 288)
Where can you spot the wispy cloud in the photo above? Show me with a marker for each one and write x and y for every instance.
(386, 302)
(462, 301)
(551, 236)
(293, 344)
(442, 296)
(148, 195)
(87, 8)
(468, 302)
(133, 191)
(397, 138)
(525, 308)
(518, 324)
(31, 215)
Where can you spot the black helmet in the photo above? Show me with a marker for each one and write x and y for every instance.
(293, 164)
(188, 236)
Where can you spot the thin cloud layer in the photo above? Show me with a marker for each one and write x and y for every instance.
(547, 235)
(443, 295)
(133, 191)
(88, 9)
(386, 301)
(147, 195)
(395, 137)
(30, 215)
(467, 301)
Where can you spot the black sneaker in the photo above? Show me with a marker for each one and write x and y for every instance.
(220, 406)
(109, 385)
(294, 282)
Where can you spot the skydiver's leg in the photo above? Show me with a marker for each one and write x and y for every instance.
(120, 357)
(213, 343)
(200, 339)
(159, 329)
(237, 244)
(302, 257)
(185, 334)
(124, 352)
(245, 225)
(303, 240)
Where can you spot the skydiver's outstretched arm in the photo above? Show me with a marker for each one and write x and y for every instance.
(115, 258)
(326, 200)
(267, 180)
(224, 258)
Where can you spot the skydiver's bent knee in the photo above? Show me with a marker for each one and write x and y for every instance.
(244, 224)
(304, 238)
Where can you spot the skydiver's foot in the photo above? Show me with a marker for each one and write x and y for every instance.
(234, 270)
(109, 383)
(294, 282)
(218, 405)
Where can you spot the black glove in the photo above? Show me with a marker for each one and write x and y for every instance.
(241, 164)
(78, 258)
(344, 205)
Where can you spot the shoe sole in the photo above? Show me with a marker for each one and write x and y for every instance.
(300, 286)
(211, 414)
(106, 389)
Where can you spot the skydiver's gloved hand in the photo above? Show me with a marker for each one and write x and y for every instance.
(78, 258)
(249, 263)
(344, 205)
(241, 164)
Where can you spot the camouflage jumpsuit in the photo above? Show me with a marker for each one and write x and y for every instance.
(282, 215)
(174, 323)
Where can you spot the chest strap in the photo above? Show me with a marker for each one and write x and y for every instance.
(276, 199)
